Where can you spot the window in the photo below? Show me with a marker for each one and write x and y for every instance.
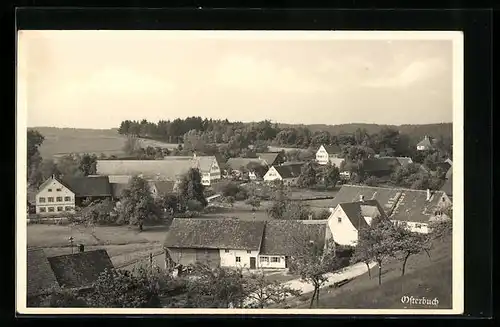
(50, 199)
(264, 259)
(49, 190)
(238, 259)
(248, 251)
(339, 219)
(67, 198)
(275, 259)
(227, 251)
(41, 199)
(43, 210)
(58, 190)
(51, 209)
(68, 208)
(418, 225)
(59, 209)
(59, 199)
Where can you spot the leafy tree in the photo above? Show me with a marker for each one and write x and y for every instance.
(363, 254)
(216, 287)
(322, 214)
(408, 243)
(69, 166)
(230, 189)
(62, 298)
(330, 175)
(191, 187)
(88, 164)
(280, 202)
(122, 289)
(169, 203)
(295, 210)
(307, 177)
(34, 159)
(98, 213)
(131, 145)
(194, 205)
(263, 292)
(230, 200)
(137, 203)
(312, 259)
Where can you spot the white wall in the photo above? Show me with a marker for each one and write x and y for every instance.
(215, 173)
(266, 261)
(322, 156)
(343, 232)
(228, 259)
(205, 179)
(272, 175)
(51, 190)
(422, 228)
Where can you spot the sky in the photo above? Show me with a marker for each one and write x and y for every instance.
(96, 79)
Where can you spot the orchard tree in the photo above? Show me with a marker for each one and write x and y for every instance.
(330, 175)
(191, 187)
(254, 202)
(34, 159)
(98, 213)
(88, 164)
(408, 243)
(137, 203)
(307, 177)
(263, 292)
(280, 202)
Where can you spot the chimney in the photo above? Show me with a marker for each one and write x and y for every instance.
(428, 194)
(81, 248)
(362, 198)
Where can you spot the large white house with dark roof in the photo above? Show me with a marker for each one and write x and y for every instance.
(327, 152)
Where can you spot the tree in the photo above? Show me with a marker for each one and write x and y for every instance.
(122, 289)
(61, 298)
(191, 187)
(131, 145)
(69, 166)
(330, 175)
(254, 202)
(408, 243)
(34, 159)
(88, 164)
(295, 210)
(230, 199)
(263, 292)
(137, 203)
(98, 213)
(312, 259)
(307, 177)
(280, 202)
(362, 254)
(218, 287)
(376, 242)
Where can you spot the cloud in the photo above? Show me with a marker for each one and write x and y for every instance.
(417, 71)
(248, 73)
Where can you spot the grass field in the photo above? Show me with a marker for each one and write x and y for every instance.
(425, 277)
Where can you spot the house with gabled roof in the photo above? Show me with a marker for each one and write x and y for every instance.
(288, 173)
(89, 187)
(415, 209)
(425, 144)
(272, 158)
(161, 188)
(239, 166)
(347, 218)
(54, 197)
(327, 152)
(215, 242)
(403, 161)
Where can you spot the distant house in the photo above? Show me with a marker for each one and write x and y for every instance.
(240, 166)
(235, 243)
(79, 271)
(215, 242)
(326, 152)
(413, 208)
(54, 197)
(161, 188)
(40, 278)
(272, 158)
(380, 167)
(288, 174)
(425, 144)
(346, 219)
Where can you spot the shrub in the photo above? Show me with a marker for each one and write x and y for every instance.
(230, 189)
(323, 214)
(241, 195)
(194, 205)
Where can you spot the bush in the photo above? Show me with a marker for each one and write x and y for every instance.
(230, 189)
(194, 205)
(323, 214)
(188, 214)
(241, 195)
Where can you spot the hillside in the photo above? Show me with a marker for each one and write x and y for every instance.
(425, 277)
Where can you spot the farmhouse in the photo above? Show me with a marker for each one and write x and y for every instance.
(54, 196)
(287, 173)
(215, 242)
(272, 158)
(326, 152)
(161, 188)
(346, 219)
(425, 144)
(90, 187)
(234, 243)
(413, 208)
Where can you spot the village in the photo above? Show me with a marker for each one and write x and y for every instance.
(269, 216)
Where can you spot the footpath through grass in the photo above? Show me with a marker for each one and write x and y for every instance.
(425, 277)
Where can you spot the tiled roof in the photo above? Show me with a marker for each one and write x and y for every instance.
(399, 204)
(163, 187)
(149, 169)
(214, 234)
(448, 186)
(237, 163)
(281, 236)
(425, 142)
(289, 171)
(449, 173)
(80, 270)
(41, 278)
(89, 186)
(356, 211)
(445, 166)
(269, 157)
(332, 149)
(117, 189)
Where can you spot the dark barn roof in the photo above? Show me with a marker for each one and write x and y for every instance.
(332, 149)
(41, 278)
(89, 186)
(80, 270)
(289, 171)
(356, 211)
(281, 236)
(214, 234)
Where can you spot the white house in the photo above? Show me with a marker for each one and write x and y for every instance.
(287, 173)
(425, 144)
(347, 219)
(54, 197)
(326, 152)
